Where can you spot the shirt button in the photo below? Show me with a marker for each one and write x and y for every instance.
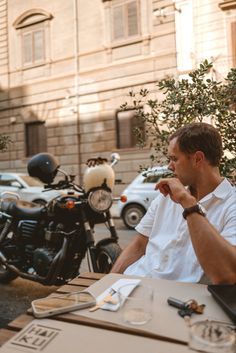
(166, 257)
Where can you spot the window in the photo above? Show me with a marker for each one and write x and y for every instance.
(127, 122)
(33, 47)
(125, 20)
(36, 138)
(152, 178)
(33, 30)
(9, 180)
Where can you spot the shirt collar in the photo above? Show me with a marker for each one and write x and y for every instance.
(220, 192)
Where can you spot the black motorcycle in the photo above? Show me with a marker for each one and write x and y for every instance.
(47, 243)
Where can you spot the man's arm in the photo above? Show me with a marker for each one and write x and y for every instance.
(215, 254)
(130, 254)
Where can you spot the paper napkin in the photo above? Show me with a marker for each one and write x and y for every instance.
(125, 286)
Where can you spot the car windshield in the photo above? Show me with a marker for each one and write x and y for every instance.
(31, 181)
(154, 176)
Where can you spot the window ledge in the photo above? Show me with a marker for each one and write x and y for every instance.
(125, 42)
(32, 66)
(227, 5)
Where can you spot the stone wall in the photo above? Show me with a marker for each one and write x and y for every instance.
(77, 96)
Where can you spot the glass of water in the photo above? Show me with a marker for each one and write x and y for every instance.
(212, 337)
(136, 307)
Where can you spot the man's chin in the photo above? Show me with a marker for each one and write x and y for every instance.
(184, 182)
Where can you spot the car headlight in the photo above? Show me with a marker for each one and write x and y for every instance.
(100, 200)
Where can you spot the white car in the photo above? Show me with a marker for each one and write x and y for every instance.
(28, 188)
(140, 194)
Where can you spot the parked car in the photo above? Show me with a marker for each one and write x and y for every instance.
(28, 188)
(140, 194)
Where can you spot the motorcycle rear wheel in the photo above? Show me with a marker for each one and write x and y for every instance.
(6, 276)
(106, 256)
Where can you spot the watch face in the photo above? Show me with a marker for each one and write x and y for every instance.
(202, 209)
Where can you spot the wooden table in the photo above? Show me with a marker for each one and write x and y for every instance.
(80, 283)
(94, 332)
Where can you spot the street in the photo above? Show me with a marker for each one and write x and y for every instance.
(16, 297)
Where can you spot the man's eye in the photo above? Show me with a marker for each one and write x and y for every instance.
(172, 159)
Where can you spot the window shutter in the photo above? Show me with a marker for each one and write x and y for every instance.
(118, 19)
(137, 123)
(132, 14)
(38, 45)
(27, 48)
(36, 138)
(127, 121)
(125, 129)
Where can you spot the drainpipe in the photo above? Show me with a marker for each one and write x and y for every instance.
(76, 82)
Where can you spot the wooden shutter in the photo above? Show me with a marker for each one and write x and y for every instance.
(27, 48)
(125, 129)
(38, 45)
(132, 18)
(118, 22)
(36, 138)
(126, 124)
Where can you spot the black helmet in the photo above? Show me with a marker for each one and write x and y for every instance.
(43, 166)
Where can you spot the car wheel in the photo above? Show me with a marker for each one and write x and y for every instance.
(40, 202)
(132, 215)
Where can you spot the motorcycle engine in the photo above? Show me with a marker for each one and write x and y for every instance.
(42, 260)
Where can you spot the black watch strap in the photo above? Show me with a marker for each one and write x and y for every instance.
(196, 208)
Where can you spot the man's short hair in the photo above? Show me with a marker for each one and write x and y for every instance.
(200, 137)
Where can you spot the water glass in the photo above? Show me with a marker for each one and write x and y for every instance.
(136, 307)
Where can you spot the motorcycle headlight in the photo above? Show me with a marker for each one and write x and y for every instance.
(100, 200)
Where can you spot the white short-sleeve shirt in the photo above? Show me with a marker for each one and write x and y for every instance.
(169, 252)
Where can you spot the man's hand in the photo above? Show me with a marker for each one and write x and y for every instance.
(177, 192)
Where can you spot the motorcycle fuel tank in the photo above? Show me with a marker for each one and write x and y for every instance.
(99, 173)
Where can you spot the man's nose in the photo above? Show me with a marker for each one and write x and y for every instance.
(171, 166)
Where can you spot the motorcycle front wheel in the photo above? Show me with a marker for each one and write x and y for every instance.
(106, 256)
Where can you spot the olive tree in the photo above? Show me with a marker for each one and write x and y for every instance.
(196, 98)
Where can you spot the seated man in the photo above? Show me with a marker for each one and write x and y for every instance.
(190, 226)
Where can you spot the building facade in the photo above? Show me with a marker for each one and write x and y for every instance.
(67, 66)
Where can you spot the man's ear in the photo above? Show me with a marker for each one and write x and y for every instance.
(199, 157)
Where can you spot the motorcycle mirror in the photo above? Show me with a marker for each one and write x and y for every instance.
(115, 157)
(64, 173)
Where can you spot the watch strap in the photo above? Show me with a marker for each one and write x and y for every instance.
(194, 209)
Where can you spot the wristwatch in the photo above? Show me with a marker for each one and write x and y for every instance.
(196, 208)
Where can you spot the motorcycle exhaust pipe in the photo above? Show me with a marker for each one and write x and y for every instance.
(54, 270)
(57, 263)
(35, 278)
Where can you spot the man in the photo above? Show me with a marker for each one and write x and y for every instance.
(190, 228)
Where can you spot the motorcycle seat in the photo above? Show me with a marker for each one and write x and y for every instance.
(21, 209)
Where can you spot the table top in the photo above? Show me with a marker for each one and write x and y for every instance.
(98, 330)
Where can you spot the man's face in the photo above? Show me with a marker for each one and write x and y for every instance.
(181, 163)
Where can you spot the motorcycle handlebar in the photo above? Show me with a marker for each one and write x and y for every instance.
(68, 181)
(63, 184)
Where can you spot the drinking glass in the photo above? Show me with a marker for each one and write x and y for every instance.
(136, 307)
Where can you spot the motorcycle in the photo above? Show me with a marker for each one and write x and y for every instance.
(47, 243)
